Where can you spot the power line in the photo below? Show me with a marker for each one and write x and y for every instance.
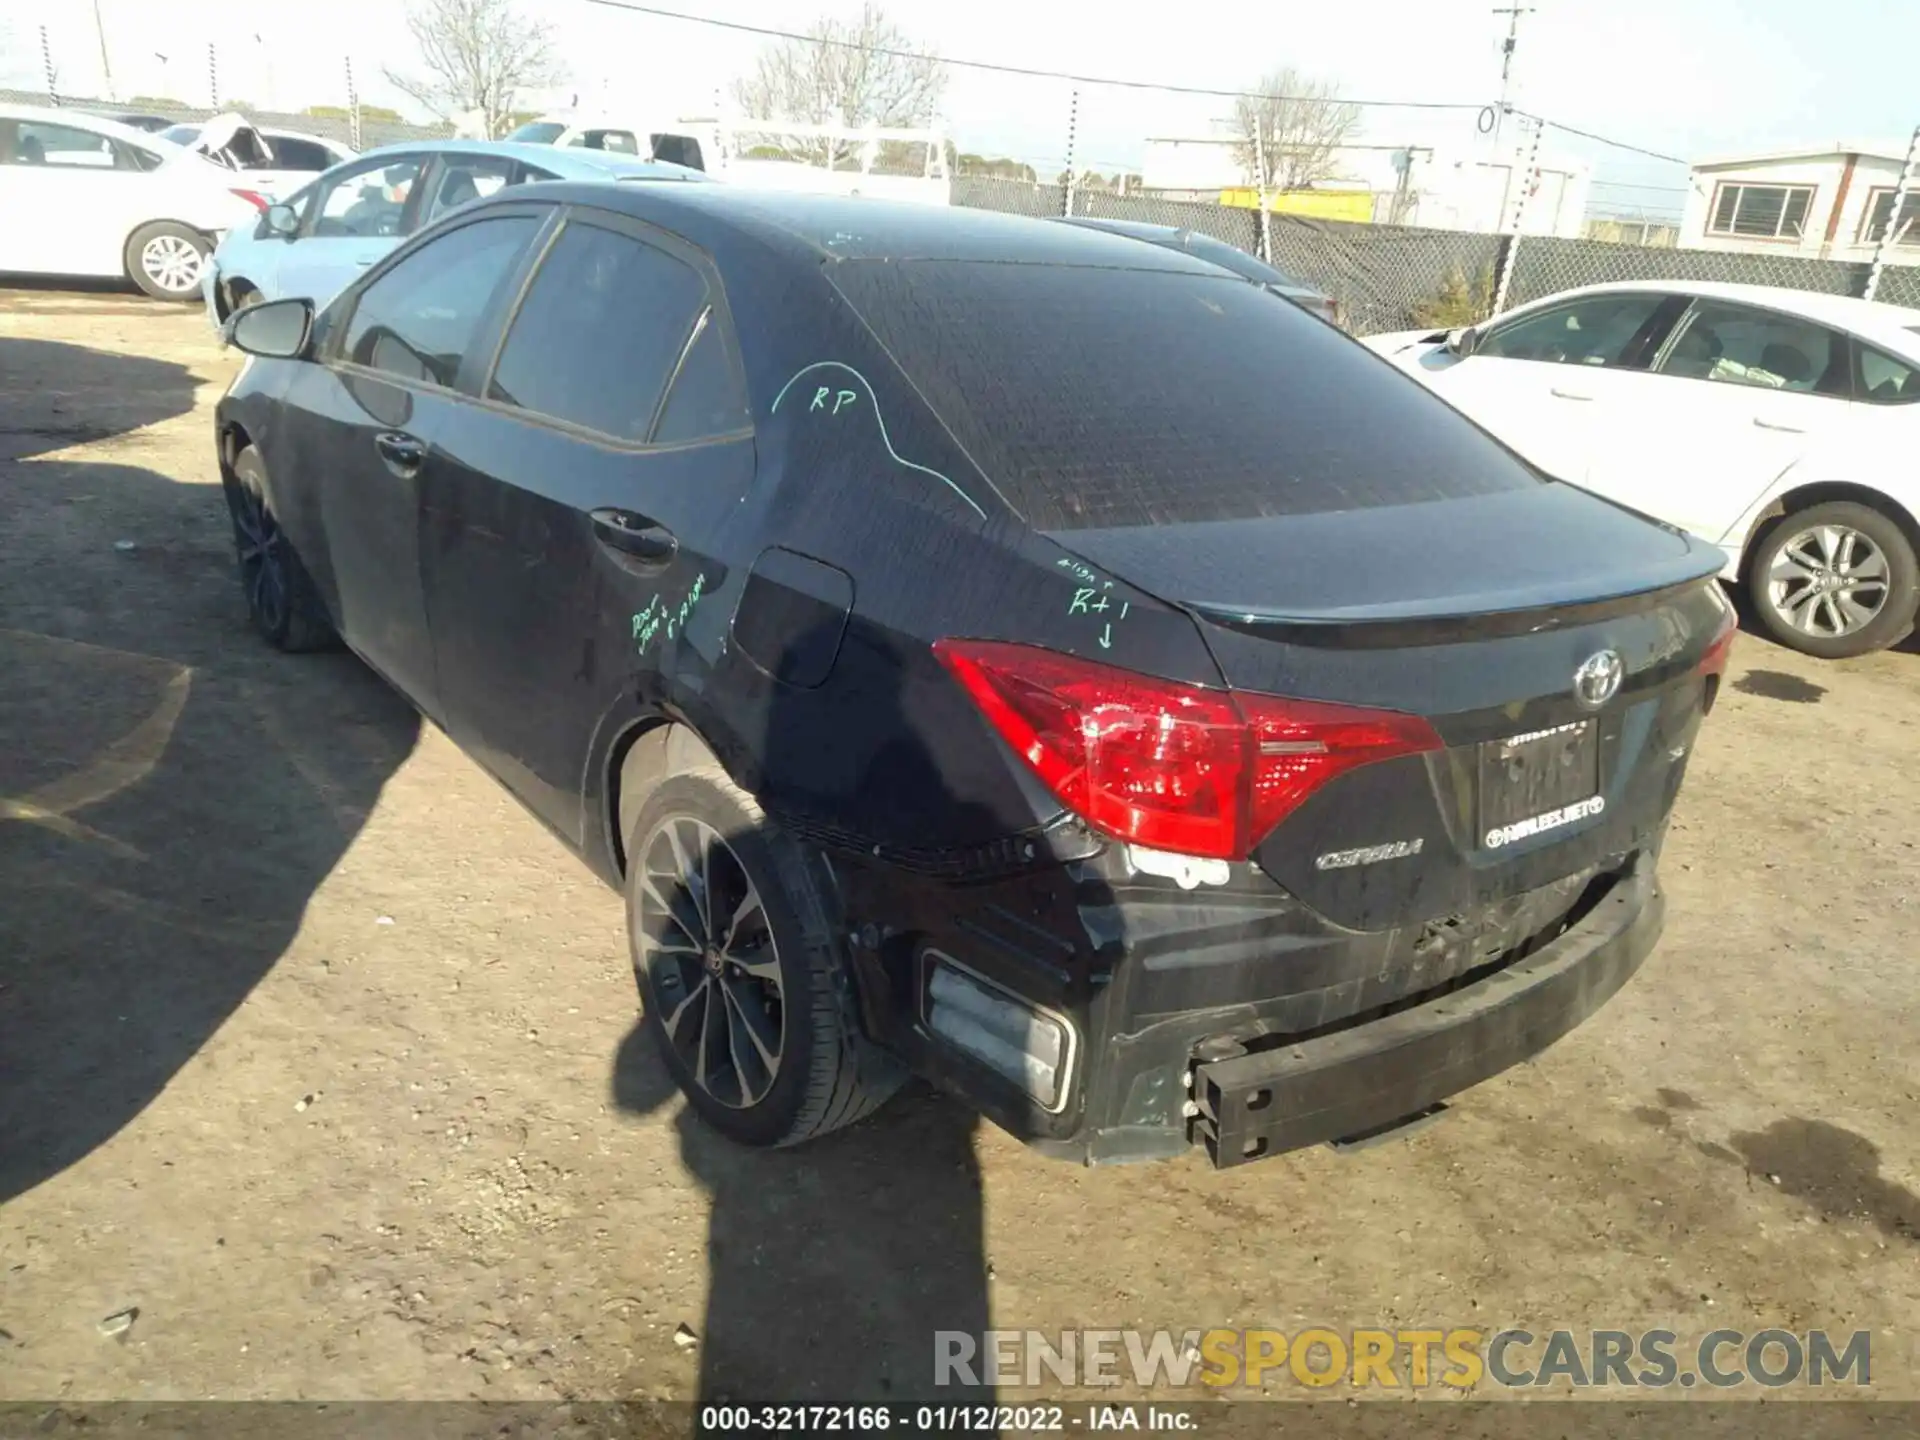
(1034, 73)
(1027, 71)
(1630, 185)
(1589, 135)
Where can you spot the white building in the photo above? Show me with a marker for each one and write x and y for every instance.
(1825, 201)
(1443, 187)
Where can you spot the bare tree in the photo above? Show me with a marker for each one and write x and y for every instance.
(479, 56)
(1287, 134)
(856, 72)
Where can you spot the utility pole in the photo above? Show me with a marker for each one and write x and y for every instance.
(1513, 14)
(1896, 210)
(106, 66)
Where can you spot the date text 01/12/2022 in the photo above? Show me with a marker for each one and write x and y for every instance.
(956, 1419)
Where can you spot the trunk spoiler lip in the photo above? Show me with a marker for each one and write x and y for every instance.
(1394, 628)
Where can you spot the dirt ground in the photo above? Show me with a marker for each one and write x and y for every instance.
(319, 1054)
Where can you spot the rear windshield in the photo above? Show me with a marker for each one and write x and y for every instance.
(538, 132)
(1098, 398)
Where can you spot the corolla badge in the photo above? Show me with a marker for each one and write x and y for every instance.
(1598, 678)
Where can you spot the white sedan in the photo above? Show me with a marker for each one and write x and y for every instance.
(85, 196)
(1781, 425)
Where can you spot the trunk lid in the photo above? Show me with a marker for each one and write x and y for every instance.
(1542, 548)
(1478, 614)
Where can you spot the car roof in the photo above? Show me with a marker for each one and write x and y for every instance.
(838, 227)
(85, 120)
(572, 164)
(1893, 325)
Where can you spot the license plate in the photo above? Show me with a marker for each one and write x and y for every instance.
(1538, 781)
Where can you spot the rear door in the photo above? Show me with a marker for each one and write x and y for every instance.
(351, 220)
(575, 507)
(1546, 382)
(1736, 397)
(361, 426)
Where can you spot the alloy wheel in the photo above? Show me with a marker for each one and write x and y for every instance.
(263, 557)
(172, 263)
(711, 966)
(1828, 581)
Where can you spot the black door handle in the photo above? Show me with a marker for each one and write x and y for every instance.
(634, 535)
(403, 454)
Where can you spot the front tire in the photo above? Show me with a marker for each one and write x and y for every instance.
(1835, 580)
(166, 259)
(741, 976)
(281, 599)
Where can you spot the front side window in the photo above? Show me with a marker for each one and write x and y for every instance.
(368, 201)
(66, 147)
(1599, 330)
(415, 321)
(463, 178)
(1740, 345)
(1887, 381)
(600, 332)
(1906, 231)
(1761, 212)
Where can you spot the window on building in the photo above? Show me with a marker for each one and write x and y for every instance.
(1880, 211)
(1761, 212)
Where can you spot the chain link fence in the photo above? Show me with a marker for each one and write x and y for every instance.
(326, 126)
(1399, 277)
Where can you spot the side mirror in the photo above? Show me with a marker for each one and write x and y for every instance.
(277, 330)
(1463, 342)
(281, 220)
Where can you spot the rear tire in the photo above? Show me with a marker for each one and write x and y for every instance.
(166, 259)
(1835, 580)
(282, 601)
(744, 986)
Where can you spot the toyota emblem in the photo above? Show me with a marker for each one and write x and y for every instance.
(1598, 678)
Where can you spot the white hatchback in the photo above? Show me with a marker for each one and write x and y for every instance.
(85, 196)
(1778, 424)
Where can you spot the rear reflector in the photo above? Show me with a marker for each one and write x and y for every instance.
(998, 1028)
(1164, 764)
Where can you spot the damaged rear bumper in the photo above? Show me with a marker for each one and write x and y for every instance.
(1357, 1080)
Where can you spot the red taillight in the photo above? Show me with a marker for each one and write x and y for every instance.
(1720, 649)
(253, 198)
(1167, 765)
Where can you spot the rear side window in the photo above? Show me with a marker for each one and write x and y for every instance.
(706, 398)
(1099, 398)
(1740, 345)
(462, 178)
(1885, 380)
(679, 150)
(416, 320)
(599, 332)
(292, 154)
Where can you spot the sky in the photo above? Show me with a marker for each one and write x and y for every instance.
(1686, 78)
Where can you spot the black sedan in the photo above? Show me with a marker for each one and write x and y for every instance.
(989, 649)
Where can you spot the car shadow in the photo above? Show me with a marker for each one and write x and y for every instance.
(832, 1265)
(172, 792)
